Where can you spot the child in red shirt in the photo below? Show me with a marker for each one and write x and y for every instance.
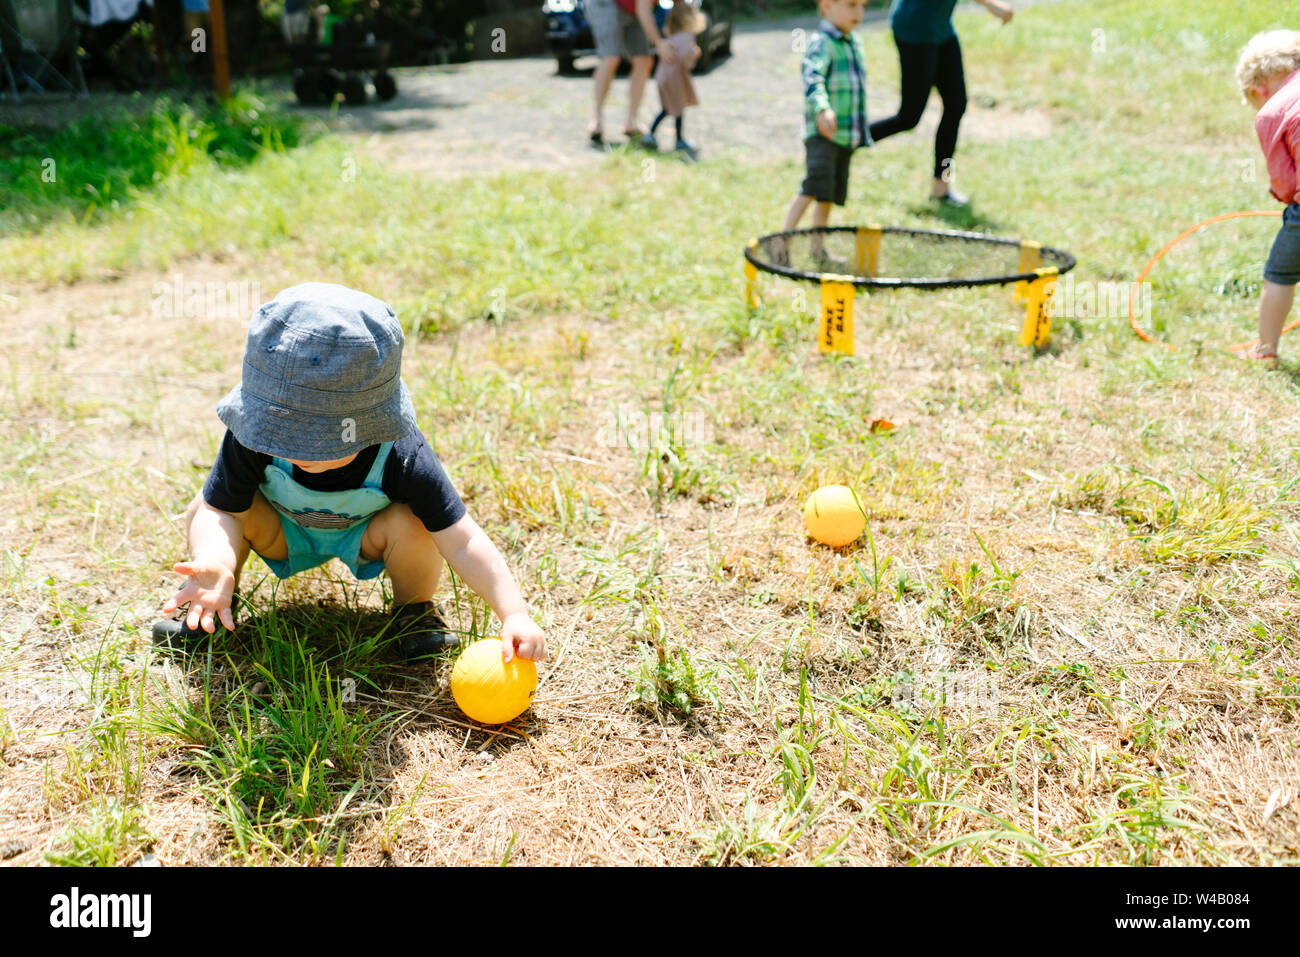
(1268, 73)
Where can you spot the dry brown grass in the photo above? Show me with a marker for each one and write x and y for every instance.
(1139, 717)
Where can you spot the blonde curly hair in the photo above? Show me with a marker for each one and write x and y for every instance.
(1267, 55)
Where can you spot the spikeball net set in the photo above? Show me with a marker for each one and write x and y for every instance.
(843, 259)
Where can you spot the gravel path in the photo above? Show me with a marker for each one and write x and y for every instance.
(507, 114)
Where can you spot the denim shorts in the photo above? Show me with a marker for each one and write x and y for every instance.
(1283, 266)
(310, 547)
(827, 179)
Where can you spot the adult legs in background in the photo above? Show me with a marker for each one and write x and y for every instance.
(603, 15)
(950, 80)
(604, 76)
(641, 67)
(917, 63)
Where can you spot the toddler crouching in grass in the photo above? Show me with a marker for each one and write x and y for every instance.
(1268, 73)
(322, 458)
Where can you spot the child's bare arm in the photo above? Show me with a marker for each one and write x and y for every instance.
(479, 563)
(215, 537)
(816, 68)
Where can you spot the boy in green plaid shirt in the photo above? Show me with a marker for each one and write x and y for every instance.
(835, 111)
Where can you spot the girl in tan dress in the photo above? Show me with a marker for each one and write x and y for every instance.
(676, 91)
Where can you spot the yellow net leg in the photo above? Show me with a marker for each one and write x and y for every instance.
(751, 279)
(866, 256)
(1031, 258)
(1037, 330)
(751, 285)
(835, 331)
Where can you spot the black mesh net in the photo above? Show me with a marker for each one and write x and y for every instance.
(894, 257)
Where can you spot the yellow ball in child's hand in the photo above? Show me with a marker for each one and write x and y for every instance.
(489, 690)
(833, 515)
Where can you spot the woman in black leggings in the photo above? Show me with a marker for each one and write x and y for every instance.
(929, 56)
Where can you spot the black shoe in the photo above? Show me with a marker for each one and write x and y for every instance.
(174, 633)
(421, 630)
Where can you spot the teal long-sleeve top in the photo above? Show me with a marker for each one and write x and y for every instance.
(922, 21)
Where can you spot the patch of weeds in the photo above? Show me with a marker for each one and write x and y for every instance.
(395, 819)
(110, 836)
(1073, 681)
(969, 594)
(674, 441)
(864, 616)
(673, 679)
(764, 596)
(1212, 521)
(539, 495)
(751, 838)
(874, 578)
(1148, 819)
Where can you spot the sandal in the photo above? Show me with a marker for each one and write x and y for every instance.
(1265, 355)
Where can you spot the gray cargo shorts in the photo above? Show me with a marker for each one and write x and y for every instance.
(616, 31)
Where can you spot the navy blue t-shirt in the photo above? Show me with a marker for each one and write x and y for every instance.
(413, 476)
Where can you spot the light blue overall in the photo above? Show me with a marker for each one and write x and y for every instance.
(319, 526)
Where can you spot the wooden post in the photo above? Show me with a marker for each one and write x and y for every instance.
(220, 62)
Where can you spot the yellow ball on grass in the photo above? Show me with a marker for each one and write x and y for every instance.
(489, 690)
(833, 515)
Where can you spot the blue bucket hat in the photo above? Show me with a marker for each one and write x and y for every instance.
(322, 376)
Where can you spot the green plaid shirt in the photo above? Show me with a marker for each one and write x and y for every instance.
(835, 78)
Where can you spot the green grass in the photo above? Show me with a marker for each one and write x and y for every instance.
(110, 836)
(102, 164)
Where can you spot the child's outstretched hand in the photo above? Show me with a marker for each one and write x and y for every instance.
(208, 589)
(826, 123)
(520, 636)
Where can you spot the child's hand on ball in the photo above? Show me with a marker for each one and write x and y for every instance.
(520, 636)
(208, 590)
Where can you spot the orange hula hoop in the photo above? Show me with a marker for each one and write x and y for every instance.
(1137, 283)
